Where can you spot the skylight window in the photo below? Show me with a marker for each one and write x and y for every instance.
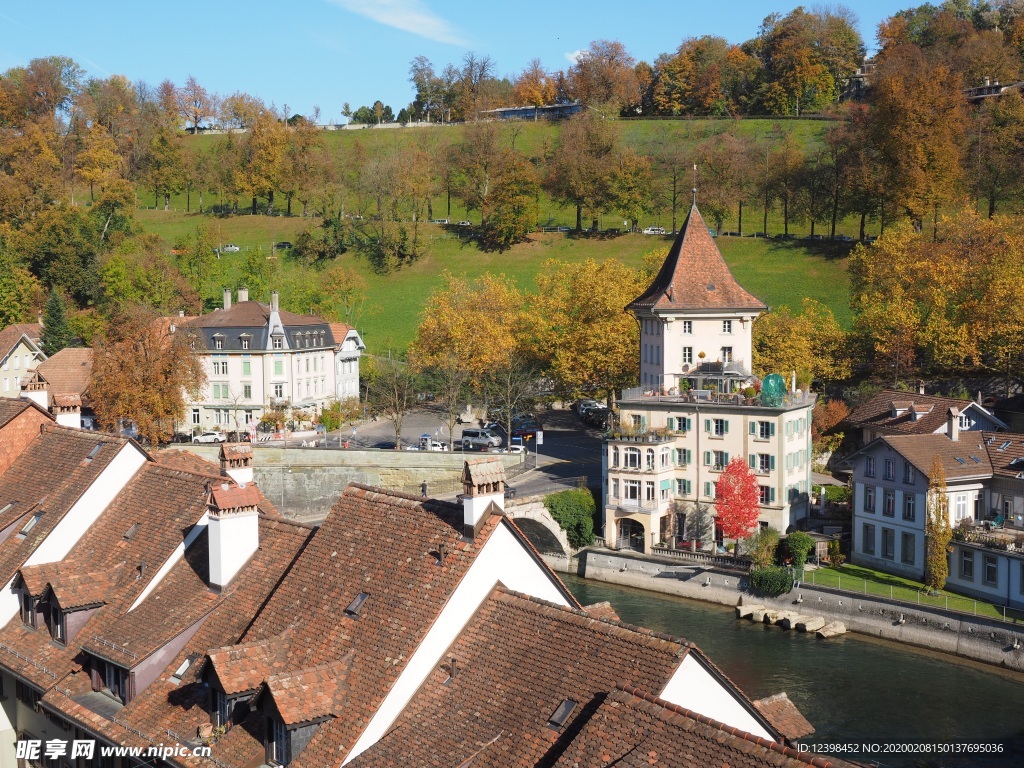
(959, 460)
(6, 508)
(180, 671)
(975, 459)
(30, 525)
(356, 605)
(131, 531)
(1004, 446)
(94, 451)
(561, 714)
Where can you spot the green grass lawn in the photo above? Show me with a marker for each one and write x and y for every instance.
(779, 272)
(865, 581)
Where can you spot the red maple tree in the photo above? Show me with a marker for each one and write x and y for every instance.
(737, 500)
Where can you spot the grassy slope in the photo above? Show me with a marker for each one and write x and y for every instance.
(781, 273)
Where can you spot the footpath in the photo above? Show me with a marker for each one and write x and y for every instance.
(970, 637)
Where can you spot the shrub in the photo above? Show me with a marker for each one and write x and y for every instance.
(761, 547)
(835, 556)
(574, 510)
(799, 544)
(773, 580)
(838, 494)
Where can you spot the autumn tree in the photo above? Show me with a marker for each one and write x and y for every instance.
(812, 344)
(938, 531)
(510, 388)
(448, 380)
(259, 173)
(534, 87)
(512, 203)
(142, 373)
(391, 391)
(827, 415)
(603, 76)
(581, 171)
(20, 292)
(429, 87)
(737, 501)
(99, 160)
(195, 103)
(589, 342)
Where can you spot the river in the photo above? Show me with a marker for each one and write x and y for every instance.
(851, 688)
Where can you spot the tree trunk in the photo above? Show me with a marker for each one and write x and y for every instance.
(785, 215)
(863, 221)
(579, 217)
(835, 214)
(741, 219)
(200, 200)
(764, 225)
(270, 203)
(288, 209)
(188, 199)
(167, 201)
(254, 205)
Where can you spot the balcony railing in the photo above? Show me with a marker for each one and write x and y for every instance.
(632, 506)
(699, 396)
(651, 437)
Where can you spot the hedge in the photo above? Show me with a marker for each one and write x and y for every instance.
(773, 580)
(574, 511)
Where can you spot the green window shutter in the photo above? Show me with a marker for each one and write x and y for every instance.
(772, 496)
(707, 425)
(687, 487)
(725, 458)
(753, 427)
(707, 488)
(772, 463)
(246, 368)
(725, 423)
(671, 423)
(689, 456)
(689, 423)
(707, 458)
(753, 461)
(674, 456)
(643, 423)
(773, 429)
(666, 484)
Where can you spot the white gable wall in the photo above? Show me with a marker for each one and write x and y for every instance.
(503, 560)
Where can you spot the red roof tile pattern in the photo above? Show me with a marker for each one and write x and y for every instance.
(249, 314)
(516, 660)
(244, 666)
(634, 729)
(11, 408)
(785, 716)
(309, 694)
(483, 471)
(81, 589)
(1005, 453)
(961, 459)
(339, 331)
(235, 451)
(68, 372)
(877, 413)
(11, 335)
(228, 496)
(602, 610)
(695, 276)
(185, 460)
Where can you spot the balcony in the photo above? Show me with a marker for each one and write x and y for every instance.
(633, 506)
(641, 396)
(620, 469)
(649, 437)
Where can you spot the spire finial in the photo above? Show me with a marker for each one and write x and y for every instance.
(694, 185)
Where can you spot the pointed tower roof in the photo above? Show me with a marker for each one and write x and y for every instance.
(695, 276)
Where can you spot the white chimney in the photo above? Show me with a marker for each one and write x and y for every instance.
(68, 410)
(953, 424)
(236, 462)
(227, 298)
(243, 295)
(233, 530)
(920, 387)
(273, 301)
(483, 484)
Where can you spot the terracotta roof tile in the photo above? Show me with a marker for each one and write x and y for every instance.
(1005, 453)
(784, 715)
(68, 371)
(227, 495)
(962, 458)
(244, 666)
(483, 471)
(309, 694)
(878, 413)
(695, 276)
(12, 407)
(185, 460)
(10, 336)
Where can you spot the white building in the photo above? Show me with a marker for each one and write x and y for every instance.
(20, 351)
(258, 356)
(346, 360)
(690, 416)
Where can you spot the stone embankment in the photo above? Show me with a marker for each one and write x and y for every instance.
(971, 637)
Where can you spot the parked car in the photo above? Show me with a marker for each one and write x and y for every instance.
(463, 223)
(510, 492)
(527, 428)
(284, 245)
(597, 417)
(580, 405)
(844, 238)
(479, 440)
(440, 221)
(209, 437)
(654, 231)
(230, 248)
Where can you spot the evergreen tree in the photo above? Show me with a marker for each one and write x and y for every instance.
(56, 333)
(937, 529)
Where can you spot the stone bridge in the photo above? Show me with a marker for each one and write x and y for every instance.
(538, 526)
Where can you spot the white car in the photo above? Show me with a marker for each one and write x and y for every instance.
(230, 248)
(654, 231)
(463, 223)
(209, 437)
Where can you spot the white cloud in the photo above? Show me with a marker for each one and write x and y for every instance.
(574, 56)
(407, 15)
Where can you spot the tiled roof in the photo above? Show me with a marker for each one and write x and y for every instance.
(483, 471)
(515, 662)
(339, 331)
(785, 716)
(961, 459)
(633, 729)
(249, 314)
(877, 413)
(68, 371)
(185, 460)
(10, 336)
(235, 451)
(12, 407)
(1005, 453)
(244, 666)
(695, 276)
(81, 589)
(227, 495)
(602, 610)
(309, 694)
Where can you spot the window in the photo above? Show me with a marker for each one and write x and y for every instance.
(218, 343)
(682, 487)
(720, 460)
(960, 506)
(278, 752)
(615, 455)
(908, 472)
(684, 456)
(688, 355)
(195, 415)
(666, 457)
(279, 391)
(762, 430)
(245, 342)
(246, 368)
(889, 504)
(991, 566)
(29, 525)
(115, 680)
(279, 367)
(28, 609)
(631, 458)
(867, 545)
(220, 709)
(631, 490)
(727, 326)
(767, 495)
(247, 391)
(869, 499)
(687, 326)
(717, 427)
(58, 629)
(726, 354)
(615, 488)
(890, 469)
(649, 463)
(26, 694)
(910, 507)
(649, 491)
(907, 548)
(762, 463)
(869, 466)
(888, 544)
(277, 342)
(965, 421)
(967, 565)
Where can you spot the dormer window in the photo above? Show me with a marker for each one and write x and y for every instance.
(278, 744)
(277, 343)
(58, 627)
(28, 609)
(245, 342)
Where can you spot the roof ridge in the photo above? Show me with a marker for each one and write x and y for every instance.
(782, 749)
(420, 501)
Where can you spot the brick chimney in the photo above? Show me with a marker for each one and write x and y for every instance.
(233, 530)
(236, 463)
(483, 485)
(243, 295)
(227, 299)
(953, 424)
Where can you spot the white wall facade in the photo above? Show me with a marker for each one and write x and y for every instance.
(694, 687)
(14, 368)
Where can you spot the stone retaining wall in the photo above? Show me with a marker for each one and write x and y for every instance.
(971, 637)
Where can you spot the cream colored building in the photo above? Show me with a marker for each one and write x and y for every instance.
(690, 417)
(20, 351)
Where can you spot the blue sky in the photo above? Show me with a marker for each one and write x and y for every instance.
(325, 52)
